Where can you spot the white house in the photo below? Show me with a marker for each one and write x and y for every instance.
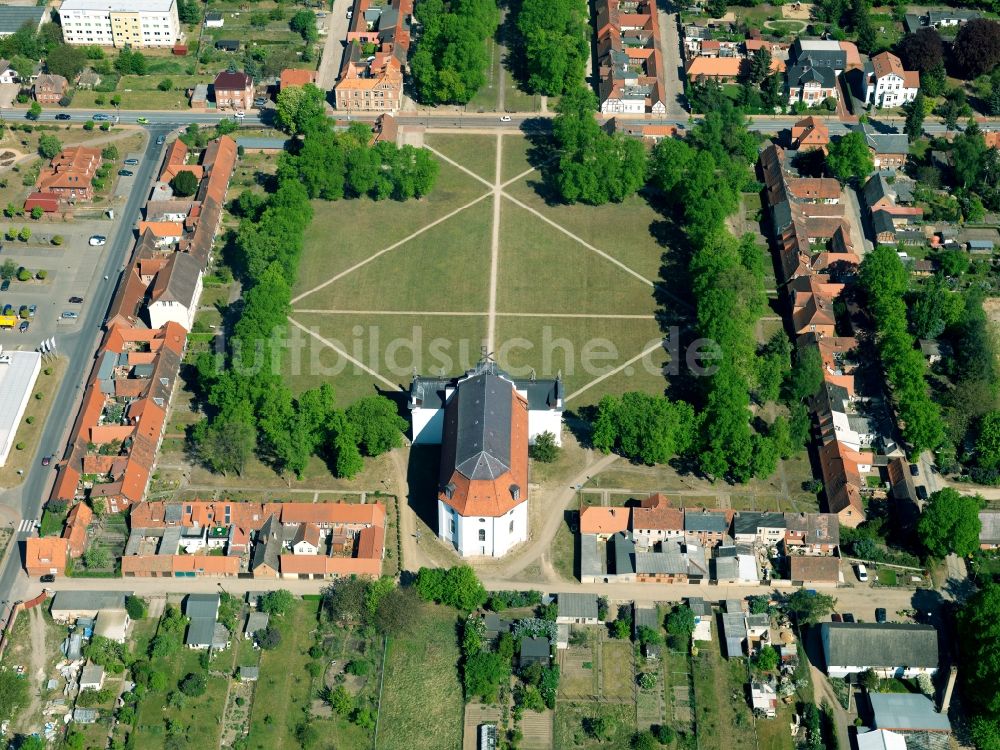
(483, 488)
(889, 85)
(428, 397)
(120, 23)
(7, 73)
(175, 293)
(888, 649)
(306, 540)
(91, 677)
(214, 20)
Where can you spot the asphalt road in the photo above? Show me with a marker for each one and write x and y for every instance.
(79, 347)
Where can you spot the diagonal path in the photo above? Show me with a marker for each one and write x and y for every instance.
(491, 326)
(615, 371)
(393, 246)
(345, 355)
(442, 157)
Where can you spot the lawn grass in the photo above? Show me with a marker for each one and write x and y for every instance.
(514, 157)
(562, 552)
(887, 577)
(477, 153)
(722, 715)
(485, 100)
(421, 695)
(447, 268)
(516, 100)
(544, 270)
(568, 726)
(141, 93)
(617, 670)
(345, 232)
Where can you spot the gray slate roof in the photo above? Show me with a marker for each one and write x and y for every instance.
(696, 520)
(906, 712)
(535, 649)
(481, 415)
(871, 644)
(201, 632)
(13, 17)
(577, 605)
(267, 546)
(624, 553)
(590, 560)
(86, 600)
(202, 605)
(429, 392)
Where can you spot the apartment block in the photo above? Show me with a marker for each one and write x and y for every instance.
(120, 23)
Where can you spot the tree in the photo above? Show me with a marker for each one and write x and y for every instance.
(165, 84)
(809, 607)
(277, 602)
(344, 600)
(621, 629)
(301, 109)
(869, 680)
(483, 674)
(49, 146)
(225, 445)
(340, 700)
(130, 62)
(269, 638)
(65, 60)
(950, 523)
(988, 441)
(377, 424)
(34, 111)
(644, 741)
(193, 684)
(457, 587)
(806, 376)
(184, 183)
(680, 623)
(977, 47)
(664, 734)
(188, 12)
(110, 152)
(599, 727)
(767, 659)
(554, 37)
(978, 623)
(639, 426)
(849, 157)
(136, 607)
(922, 50)
(760, 65)
(544, 449)
(8, 270)
(915, 112)
(304, 24)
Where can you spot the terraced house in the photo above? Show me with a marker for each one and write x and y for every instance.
(378, 43)
(629, 57)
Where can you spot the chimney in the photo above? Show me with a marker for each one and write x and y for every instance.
(949, 688)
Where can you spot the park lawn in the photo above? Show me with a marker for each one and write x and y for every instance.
(617, 670)
(392, 345)
(516, 100)
(197, 718)
(723, 717)
(421, 705)
(447, 268)
(477, 153)
(544, 270)
(622, 230)
(514, 157)
(568, 732)
(343, 233)
(581, 350)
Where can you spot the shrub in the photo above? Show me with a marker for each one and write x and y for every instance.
(47, 371)
(136, 607)
(19, 446)
(29, 420)
(25, 234)
(165, 85)
(24, 275)
(269, 638)
(88, 125)
(358, 667)
(194, 684)
(37, 212)
(110, 152)
(42, 275)
(57, 239)
(39, 396)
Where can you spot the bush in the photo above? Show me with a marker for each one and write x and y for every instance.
(25, 234)
(88, 125)
(37, 212)
(110, 153)
(19, 446)
(165, 85)
(42, 275)
(184, 184)
(57, 239)
(545, 449)
(269, 638)
(136, 607)
(24, 275)
(358, 667)
(194, 684)
(29, 420)
(664, 734)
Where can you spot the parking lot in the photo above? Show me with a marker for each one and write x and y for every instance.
(71, 271)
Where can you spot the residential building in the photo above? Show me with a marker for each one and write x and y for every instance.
(703, 618)
(888, 150)
(214, 20)
(291, 77)
(630, 61)
(75, 531)
(655, 521)
(577, 609)
(888, 649)
(814, 66)
(814, 570)
(18, 374)
(949, 17)
(429, 397)
(708, 528)
(811, 533)
(7, 72)
(719, 69)
(378, 41)
(741, 631)
(45, 556)
(810, 133)
(256, 621)
(233, 91)
(842, 483)
(70, 173)
(49, 89)
(120, 23)
(307, 539)
(812, 300)
(175, 292)
(483, 487)
(603, 522)
(751, 527)
(203, 630)
(909, 714)
(889, 85)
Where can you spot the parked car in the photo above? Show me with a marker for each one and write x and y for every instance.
(836, 617)
(63, 116)
(914, 470)
(70, 315)
(880, 614)
(862, 573)
(505, 118)
(5, 285)
(46, 460)
(76, 300)
(101, 117)
(259, 102)
(97, 240)
(160, 140)
(48, 578)
(132, 162)
(921, 492)
(125, 173)
(848, 617)
(23, 328)
(8, 309)
(32, 309)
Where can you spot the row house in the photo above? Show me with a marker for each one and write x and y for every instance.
(630, 61)
(378, 42)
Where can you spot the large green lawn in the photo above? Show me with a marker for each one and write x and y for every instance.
(475, 152)
(421, 696)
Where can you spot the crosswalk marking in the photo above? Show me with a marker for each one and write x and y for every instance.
(28, 524)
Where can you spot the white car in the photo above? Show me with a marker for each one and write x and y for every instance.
(862, 573)
(505, 118)
(97, 240)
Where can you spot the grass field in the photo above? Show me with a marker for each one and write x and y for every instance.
(421, 696)
(617, 670)
(723, 717)
(569, 732)
(477, 153)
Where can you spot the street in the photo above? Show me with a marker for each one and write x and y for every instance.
(78, 347)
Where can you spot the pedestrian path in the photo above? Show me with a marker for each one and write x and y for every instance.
(28, 524)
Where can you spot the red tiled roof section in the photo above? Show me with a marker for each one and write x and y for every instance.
(296, 77)
(655, 512)
(598, 520)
